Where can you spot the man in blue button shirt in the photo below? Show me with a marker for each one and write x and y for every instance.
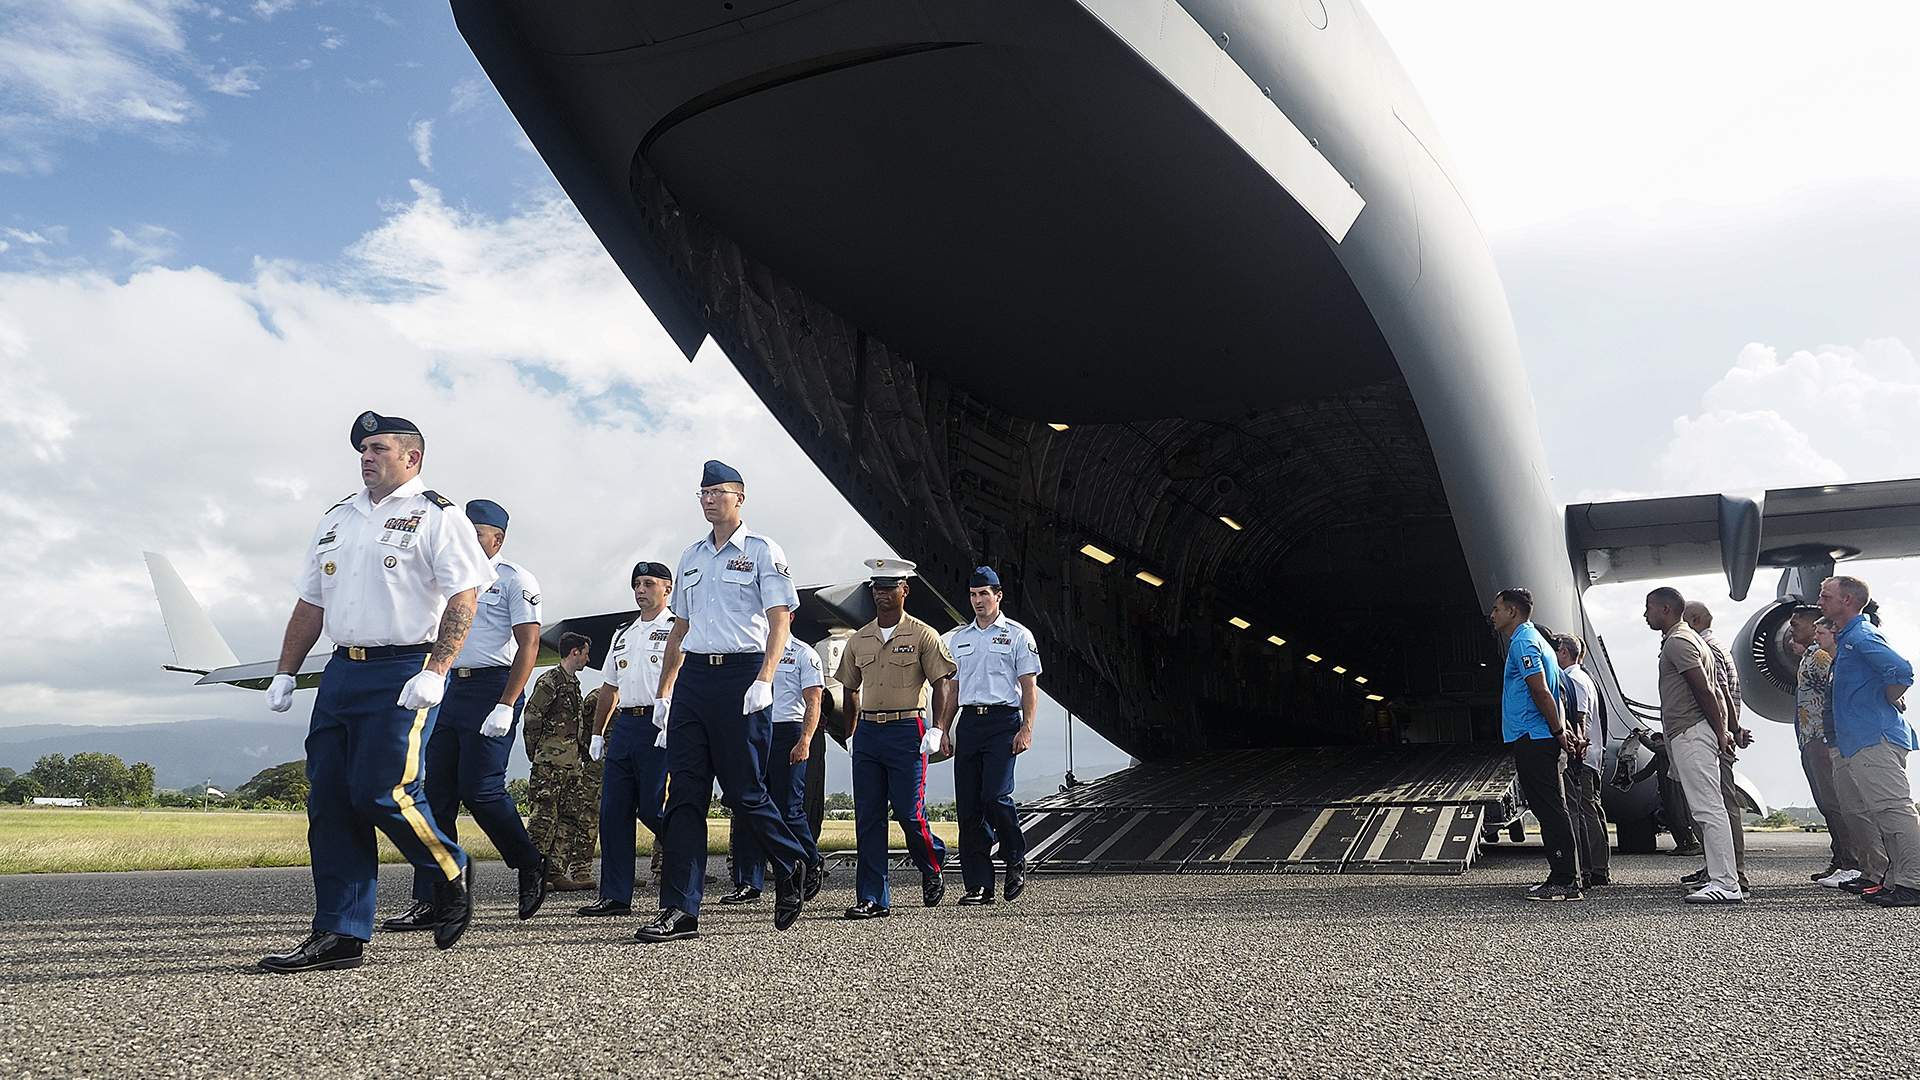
(1869, 689)
(1530, 722)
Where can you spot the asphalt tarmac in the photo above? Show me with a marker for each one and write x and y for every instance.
(151, 974)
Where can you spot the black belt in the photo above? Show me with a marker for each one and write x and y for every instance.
(987, 710)
(725, 659)
(380, 652)
(470, 672)
(889, 715)
(634, 710)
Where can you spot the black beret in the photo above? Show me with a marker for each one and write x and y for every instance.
(372, 423)
(651, 569)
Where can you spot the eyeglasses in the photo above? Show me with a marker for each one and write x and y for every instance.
(715, 492)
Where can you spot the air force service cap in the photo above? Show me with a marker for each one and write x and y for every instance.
(983, 575)
(719, 472)
(372, 423)
(652, 570)
(487, 512)
(888, 572)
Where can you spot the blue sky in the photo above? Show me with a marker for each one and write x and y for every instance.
(227, 228)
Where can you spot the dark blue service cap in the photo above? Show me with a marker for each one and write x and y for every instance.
(719, 472)
(487, 512)
(372, 423)
(983, 575)
(652, 569)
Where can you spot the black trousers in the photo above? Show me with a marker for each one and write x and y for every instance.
(1542, 765)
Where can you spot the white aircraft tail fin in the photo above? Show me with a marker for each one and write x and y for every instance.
(197, 646)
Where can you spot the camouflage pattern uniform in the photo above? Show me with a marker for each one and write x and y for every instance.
(565, 786)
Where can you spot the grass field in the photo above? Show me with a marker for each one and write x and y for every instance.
(47, 840)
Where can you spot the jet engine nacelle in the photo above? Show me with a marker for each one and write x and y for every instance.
(1769, 671)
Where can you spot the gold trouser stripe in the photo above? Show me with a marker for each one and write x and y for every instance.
(411, 812)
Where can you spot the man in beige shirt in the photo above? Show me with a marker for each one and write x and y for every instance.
(1695, 725)
(885, 672)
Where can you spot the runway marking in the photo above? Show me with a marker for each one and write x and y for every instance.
(1137, 818)
(1313, 833)
(1441, 830)
(1161, 851)
(1379, 845)
(1246, 836)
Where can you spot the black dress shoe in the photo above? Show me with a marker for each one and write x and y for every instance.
(787, 890)
(867, 909)
(816, 877)
(321, 952)
(533, 887)
(672, 925)
(933, 888)
(975, 898)
(604, 906)
(421, 916)
(1897, 896)
(742, 894)
(1016, 883)
(453, 903)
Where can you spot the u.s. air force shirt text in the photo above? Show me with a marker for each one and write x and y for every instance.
(724, 592)
(512, 600)
(382, 573)
(990, 662)
(635, 657)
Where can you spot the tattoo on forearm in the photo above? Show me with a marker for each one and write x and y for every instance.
(453, 632)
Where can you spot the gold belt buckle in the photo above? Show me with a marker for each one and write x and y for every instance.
(355, 652)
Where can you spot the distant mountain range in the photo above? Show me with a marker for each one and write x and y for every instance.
(229, 752)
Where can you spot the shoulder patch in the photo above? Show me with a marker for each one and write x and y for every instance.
(438, 499)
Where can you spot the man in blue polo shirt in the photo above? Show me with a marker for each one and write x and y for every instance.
(1530, 722)
(1869, 689)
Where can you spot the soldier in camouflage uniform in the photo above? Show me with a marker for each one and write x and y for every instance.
(565, 785)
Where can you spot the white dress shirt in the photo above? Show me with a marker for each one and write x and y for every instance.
(512, 600)
(633, 662)
(383, 572)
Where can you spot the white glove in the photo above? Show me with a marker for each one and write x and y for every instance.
(930, 742)
(280, 693)
(660, 741)
(759, 696)
(597, 748)
(498, 722)
(423, 691)
(660, 712)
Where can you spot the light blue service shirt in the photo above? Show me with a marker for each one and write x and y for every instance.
(799, 669)
(991, 661)
(724, 594)
(512, 599)
(1864, 666)
(1527, 655)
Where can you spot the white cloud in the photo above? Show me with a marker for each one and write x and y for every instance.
(69, 69)
(334, 39)
(146, 245)
(204, 416)
(469, 94)
(26, 236)
(421, 136)
(267, 9)
(236, 81)
(364, 86)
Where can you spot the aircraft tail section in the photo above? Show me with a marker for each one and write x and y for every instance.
(197, 645)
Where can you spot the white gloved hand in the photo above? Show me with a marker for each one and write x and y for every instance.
(930, 742)
(280, 693)
(423, 691)
(759, 696)
(660, 741)
(660, 705)
(597, 748)
(498, 722)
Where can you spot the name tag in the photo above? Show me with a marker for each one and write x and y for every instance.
(963, 648)
(395, 538)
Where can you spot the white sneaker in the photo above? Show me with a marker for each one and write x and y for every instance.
(1838, 878)
(1714, 894)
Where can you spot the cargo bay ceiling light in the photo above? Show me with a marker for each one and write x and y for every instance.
(1361, 679)
(1313, 657)
(1239, 623)
(1096, 554)
(1058, 427)
(1151, 578)
(1375, 697)
(1338, 670)
(1229, 523)
(1276, 639)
